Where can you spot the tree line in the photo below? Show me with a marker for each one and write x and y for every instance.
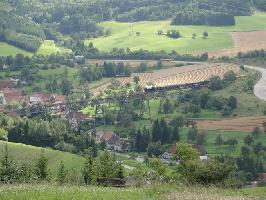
(203, 17)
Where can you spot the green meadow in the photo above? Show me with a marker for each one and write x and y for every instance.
(7, 50)
(123, 35)
(48, 47)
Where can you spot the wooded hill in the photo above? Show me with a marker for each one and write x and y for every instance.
(26, 23)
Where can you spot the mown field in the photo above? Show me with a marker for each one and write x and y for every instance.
(48, 47)
(219, 37)
(161, 192)
(29, 154)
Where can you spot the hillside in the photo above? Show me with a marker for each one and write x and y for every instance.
(67, 21)
(22, 152)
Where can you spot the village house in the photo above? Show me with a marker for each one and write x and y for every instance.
(168, 155)
(112, 141)
(7, 84)
(262, 177)
(40, 97)
(2, 99)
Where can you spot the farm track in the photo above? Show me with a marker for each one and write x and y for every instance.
(260, 87)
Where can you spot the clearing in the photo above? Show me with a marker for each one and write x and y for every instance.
(48, 47)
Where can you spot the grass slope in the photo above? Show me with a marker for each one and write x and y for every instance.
(7, 50)
(219, 37)
(48, 47)
(22, 152)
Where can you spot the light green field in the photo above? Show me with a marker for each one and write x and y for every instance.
(48, 47)
(219, 37)
(22, 152)
(7, 50)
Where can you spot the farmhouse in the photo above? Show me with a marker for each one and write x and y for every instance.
(168, 155)
(262, 177)
(7, 84)
(113, 142)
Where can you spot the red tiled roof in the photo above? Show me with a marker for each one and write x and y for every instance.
(172, 149)
(199, 148)
(12, 95)
(42, 95)
(107, 136)
(4, 84)
(262, 177)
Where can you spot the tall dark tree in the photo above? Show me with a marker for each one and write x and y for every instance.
(41, 168)
(175, 134)
(156, 131)
(87, 171)
(164, 133)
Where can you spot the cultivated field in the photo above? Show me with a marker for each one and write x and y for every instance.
(245, 124)
(219, 37)
(243, 41)
(175, 76)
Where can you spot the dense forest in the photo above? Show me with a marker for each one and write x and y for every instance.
(27, 26)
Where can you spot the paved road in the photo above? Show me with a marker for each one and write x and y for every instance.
(260, 87)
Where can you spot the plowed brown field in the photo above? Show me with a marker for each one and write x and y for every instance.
(245, 124)
(243, 41)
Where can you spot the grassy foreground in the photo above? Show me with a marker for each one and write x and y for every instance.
(45, 191)
(123, 35)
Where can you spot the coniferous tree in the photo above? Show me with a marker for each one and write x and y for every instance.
(175, 134)
(119, 171)
(156, 130)
(138, 141)
(88, 170)
(219, 140)
(164, 132)
(62, 173)
(41, 169)
(7, 167)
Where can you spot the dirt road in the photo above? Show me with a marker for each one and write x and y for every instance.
(260, 87)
